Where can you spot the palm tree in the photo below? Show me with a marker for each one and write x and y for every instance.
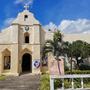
(54, 46)
(68, 51)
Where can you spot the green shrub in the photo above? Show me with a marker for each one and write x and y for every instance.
(78, 72)
(45, 82)
(84, 67)
(67, 83)
(87, 85)
(86, 80)
(77, 81)
(57, 83)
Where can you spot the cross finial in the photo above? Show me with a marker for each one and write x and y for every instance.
(26, 6)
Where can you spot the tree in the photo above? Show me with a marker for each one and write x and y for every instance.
(54, 46)
(79, 50)
(68, 50)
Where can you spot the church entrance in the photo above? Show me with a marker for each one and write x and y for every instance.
(26, 63)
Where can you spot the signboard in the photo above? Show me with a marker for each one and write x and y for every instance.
(36, 64)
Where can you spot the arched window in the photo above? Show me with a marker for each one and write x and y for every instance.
(26, 37)
(25, 17)
(7, 59)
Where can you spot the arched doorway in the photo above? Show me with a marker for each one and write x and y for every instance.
(26, 63)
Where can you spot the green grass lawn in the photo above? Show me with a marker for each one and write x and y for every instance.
(2, 77)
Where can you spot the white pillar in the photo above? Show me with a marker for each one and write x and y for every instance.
(63, 84)
(82, 83)
(51, 84)
(72, 84)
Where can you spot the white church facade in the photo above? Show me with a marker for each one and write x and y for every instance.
(21, 44)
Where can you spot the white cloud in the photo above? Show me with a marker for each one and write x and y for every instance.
(18, 1)
(28, 2)
(8, 21)
(51, 26)
(73, 26)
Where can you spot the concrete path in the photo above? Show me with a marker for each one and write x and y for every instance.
(23, 82)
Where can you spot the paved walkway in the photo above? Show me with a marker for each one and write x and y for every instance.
(23, 82)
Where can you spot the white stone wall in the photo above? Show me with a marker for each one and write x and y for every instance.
(30, 21)
(36, 34)
(5, 35)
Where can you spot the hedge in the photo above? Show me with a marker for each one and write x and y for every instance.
(84, 67)
(78, 72)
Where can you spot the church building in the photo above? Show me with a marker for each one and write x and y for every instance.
(20, 45)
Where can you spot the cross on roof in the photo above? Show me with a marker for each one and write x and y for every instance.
(26, 6)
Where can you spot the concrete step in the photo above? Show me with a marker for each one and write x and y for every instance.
(23, 82)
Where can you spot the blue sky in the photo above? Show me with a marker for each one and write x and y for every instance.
(47, 10)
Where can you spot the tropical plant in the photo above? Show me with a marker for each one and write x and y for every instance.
(79, 50)
(54, 46)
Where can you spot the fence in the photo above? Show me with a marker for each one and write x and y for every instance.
(72, 77)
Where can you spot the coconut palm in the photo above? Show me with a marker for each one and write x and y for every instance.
(54, 46)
